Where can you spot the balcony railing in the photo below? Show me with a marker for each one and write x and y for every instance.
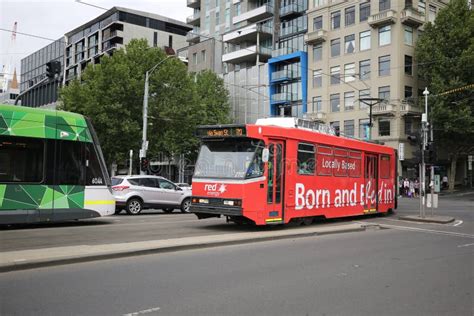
(292, 9)
(287, 31)
(412, 17)
(317, 116)
(285, 97)
(192, 37)
(248, 34)
(194, 19)
(283, 51)
(193, 4)
(283, 75)
(382, 109)
(383, 18)
(246, 54)
(255, 15)
(316, 37)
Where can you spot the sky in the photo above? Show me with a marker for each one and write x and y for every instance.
(53, 18)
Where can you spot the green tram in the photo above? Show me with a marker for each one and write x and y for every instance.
(51, 167)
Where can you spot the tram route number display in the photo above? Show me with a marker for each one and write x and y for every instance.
(222, 132)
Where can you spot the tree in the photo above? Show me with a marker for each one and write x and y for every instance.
(111, 95)
(445, 54)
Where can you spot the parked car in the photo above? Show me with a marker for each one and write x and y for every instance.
(135, 193)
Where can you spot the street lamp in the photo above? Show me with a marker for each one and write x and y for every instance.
(145, 109)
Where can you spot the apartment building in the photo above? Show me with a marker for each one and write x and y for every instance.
(115, 28)
(361, 61)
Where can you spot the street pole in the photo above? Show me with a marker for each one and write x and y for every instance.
(144, 148)
(424, 122)
(130, 168)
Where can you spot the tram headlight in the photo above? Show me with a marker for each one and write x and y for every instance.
(204, 201)
(232, 202)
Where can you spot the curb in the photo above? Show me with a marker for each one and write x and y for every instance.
(49, 262)
(428, 219)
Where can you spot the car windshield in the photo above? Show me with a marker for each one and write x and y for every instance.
(230, 158)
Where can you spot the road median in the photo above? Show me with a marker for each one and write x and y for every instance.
(36, 258)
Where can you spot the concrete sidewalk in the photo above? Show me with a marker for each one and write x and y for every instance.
(29, 259)
(428, 219)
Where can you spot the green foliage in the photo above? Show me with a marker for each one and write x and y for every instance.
(111, 95)
(445, 54)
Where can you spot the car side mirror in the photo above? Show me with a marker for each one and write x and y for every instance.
(265, 154)
(178, 188)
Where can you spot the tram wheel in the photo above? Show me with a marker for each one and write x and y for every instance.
(307, 221)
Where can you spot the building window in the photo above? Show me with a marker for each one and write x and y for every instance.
(365, 93)
(422, 6)
(318, 23)
(385, 35)
(408, 38)
(384, 93)
(335, 74)
(384, 65)
(203, 56)
(408, 92)
(317, 104)
(364, 40)
(349, 101)
(384, 5)
(350, 16)
(408, 125)
(349, 44)
(364, 11)
(318, 3)
(432, 14)
(317, 52)
(237, 9)
(155, 39)
(195, 59)
(335, 20)
(364, 69)
(384, 127)
(349, 72)
(227, 19)
(408, 65)
(349, 128)
(335, 47)
(317, 78)
(218, 17)
(335, 102)
(364, 128)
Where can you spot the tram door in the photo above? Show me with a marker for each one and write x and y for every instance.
(275, 180)
(371, 183)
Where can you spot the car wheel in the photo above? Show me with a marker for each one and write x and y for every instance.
(185, 205)
(168, 210)
(134, 206)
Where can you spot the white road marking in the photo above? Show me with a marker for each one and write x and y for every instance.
(422, 230)
(458, 223)
(145, 311)
(466, 245)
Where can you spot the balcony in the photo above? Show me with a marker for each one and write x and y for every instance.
(254, 15)
(408, 107)
(248, 54)
(283, 75)
(382, 109)
(283, 98)
(194, 19)
(283, 51)
(193, 37)
(412, 17)
(292, 10)
(107, 35)
(249, 34)
(195, 4)
(382, 18)
(316, 37)
(288, 31)
(317, 116)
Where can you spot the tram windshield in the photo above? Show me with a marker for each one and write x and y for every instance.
(230, 158)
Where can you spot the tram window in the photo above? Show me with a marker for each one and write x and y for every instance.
(93, 172)
(21, 159)
(306, 159)
(325, 161)
(385, 167)
(354, 164)
(70, 163)
(340, 162)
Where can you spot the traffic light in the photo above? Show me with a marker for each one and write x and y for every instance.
(53, 68)
(413, 139)
(144, 164)
(430, 153)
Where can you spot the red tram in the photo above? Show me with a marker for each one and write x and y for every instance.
(284, 169)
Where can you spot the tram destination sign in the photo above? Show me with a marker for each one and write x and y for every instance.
(221, 131)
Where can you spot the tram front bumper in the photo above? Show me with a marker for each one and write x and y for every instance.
(215, 210)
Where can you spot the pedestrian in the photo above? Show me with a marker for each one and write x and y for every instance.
(417, 187)
(406, 187)
(445, 182)
(400, 187)
(411, 193)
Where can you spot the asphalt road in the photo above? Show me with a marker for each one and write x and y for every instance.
(381, 272)
(153, 225)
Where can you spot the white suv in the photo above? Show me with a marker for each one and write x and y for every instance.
(134, 193)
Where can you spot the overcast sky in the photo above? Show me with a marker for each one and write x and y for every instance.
(53, 18)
